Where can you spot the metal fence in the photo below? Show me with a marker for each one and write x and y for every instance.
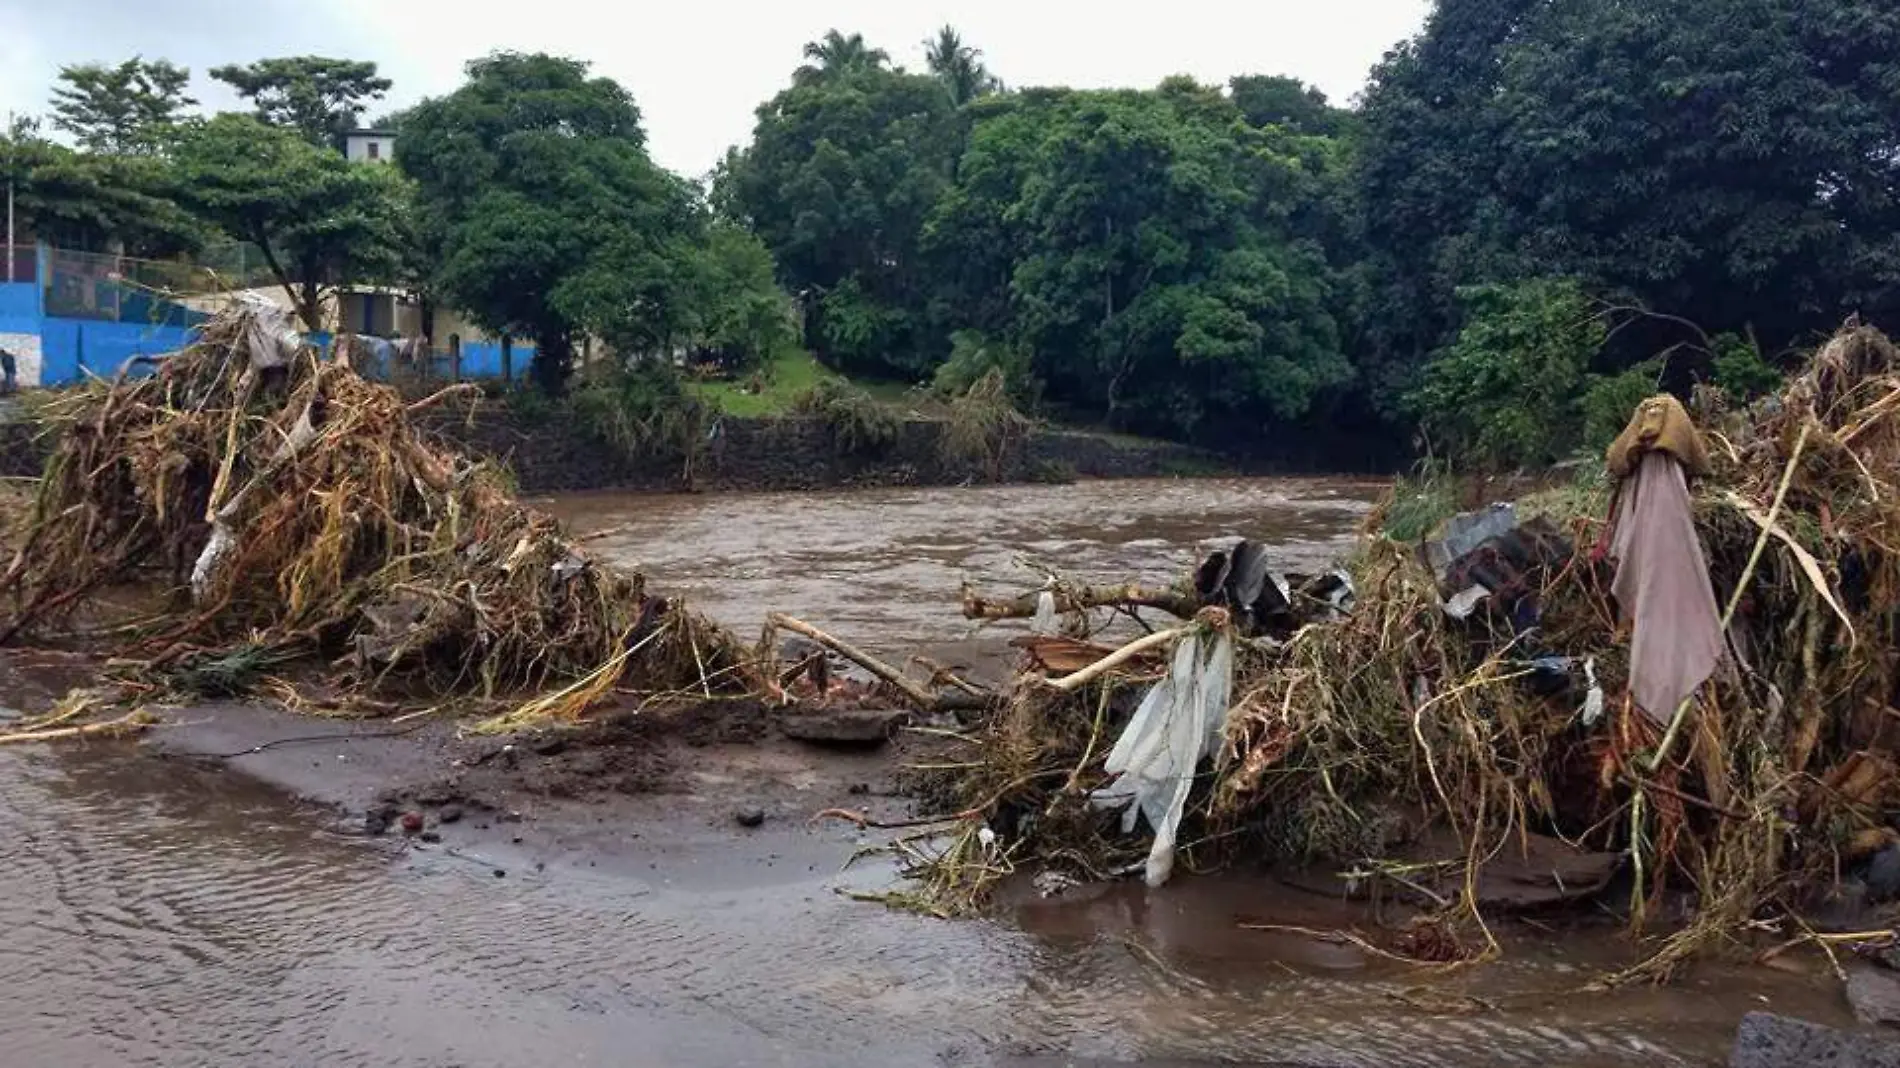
(123, 289)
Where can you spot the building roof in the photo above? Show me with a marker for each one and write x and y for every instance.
(369, 133)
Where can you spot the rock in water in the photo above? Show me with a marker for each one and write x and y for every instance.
(1765, 1040)
(750, 816)
(449, 814)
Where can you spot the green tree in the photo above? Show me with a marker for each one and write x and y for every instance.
(838, 56)
(1425, 187)
(839, 178)
(1121, 237)
(740, 317)
(130, 109)
(98, 203)
(1727, 162)
(1731, 162)
(1508, 392)
(319, 97)
(544, 215)
(959, 66)
(1275, 100)
(318, 220)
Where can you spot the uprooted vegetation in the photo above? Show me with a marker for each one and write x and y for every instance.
(295, 512)
(1408, 747)
(296, 516)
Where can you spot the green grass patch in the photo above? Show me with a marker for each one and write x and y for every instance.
(771, 391)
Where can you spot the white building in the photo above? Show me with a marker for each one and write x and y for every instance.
(369, 146)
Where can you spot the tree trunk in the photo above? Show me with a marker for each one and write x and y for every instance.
(553, 359)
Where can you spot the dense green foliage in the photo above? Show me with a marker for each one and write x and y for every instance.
(124, 110)
(542, 213)
(1537, 212)
(90, 201)
(320, 98)
(319, 221)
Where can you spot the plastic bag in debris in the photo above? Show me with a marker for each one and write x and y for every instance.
(1179, 724)
(270, 337)
(220, 543)
(1045, 620)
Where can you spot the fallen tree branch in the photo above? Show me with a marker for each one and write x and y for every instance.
(132, 721)
(1071, 683)
(1081, 598)
(923, 700)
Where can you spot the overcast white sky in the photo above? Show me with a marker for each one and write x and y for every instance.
(698, 68)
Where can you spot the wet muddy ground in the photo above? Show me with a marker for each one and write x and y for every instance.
(211, 896)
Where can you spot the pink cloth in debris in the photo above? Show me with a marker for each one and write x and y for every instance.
(1662, 583)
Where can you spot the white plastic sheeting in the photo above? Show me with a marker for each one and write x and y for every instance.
(1179, 724)
(1045, 620)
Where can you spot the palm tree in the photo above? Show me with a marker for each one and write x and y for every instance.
(959, 66)
(837, 54)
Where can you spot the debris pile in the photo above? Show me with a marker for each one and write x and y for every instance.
(294, 510)
(1694, 692)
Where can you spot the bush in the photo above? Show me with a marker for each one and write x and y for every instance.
(985, 428)
(855, 421)
(1610, 400)
(644, 411)
(1505, 394)
(974, 355)
(1739, 370)
(1419, 502)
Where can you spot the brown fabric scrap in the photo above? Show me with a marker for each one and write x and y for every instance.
(1662, 584)
(1660, 424)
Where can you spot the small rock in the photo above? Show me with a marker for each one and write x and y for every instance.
(431, 837)
(860, 788)
(750, 816)
(411, 822)
(1765, 1040)
(551, 746)
(1875, 995)
(377, 820)
(1883, 875)
(500, 873)
(449, 814)
(516, 839)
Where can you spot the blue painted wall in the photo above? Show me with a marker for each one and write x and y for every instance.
(482, 359)
(19, 304)
(72, 350)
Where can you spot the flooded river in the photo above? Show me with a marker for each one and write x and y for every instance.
(882, 568)
(160, 914)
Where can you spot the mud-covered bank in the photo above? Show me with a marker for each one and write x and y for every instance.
(234, 906)
(552, 455)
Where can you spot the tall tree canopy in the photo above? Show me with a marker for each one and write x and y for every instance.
(1733, 163)
(319, 97)
(544, 215)
(838, 55)
(319, 220)
(1132, 242)
(93, 202)
(838, 180)
(959, 66)
(130, 109)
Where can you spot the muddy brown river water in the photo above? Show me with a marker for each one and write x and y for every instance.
(160, 913)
